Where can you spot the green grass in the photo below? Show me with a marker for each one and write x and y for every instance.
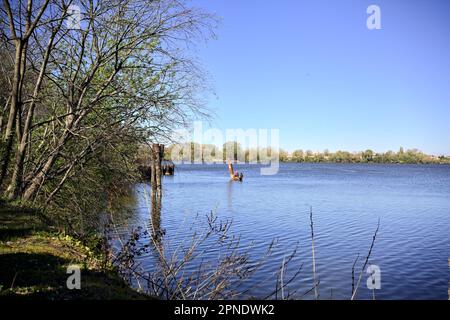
(16, 222)
(34, 259)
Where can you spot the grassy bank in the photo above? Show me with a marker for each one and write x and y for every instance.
(34, 258)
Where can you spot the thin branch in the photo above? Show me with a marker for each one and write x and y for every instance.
(316, 290)
(366, 261)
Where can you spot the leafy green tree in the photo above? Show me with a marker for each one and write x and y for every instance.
(283, 155)
(232, 150)
(298, 156)
(367, 156)
(76, 94)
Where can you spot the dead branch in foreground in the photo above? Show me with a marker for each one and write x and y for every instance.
(181, 272)
(366, 261)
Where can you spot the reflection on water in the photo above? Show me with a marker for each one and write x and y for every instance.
(411, 201)
(230, 195)
(156, 231)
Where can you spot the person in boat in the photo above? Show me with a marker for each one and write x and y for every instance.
(236, 174)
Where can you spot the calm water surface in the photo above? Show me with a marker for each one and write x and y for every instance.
(411, 201)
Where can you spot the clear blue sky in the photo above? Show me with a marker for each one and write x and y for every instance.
(312, 69)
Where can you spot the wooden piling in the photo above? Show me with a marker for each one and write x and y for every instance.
(232, 174)
(157, 158)
(153, 172)
(157, 168)
(230, 169)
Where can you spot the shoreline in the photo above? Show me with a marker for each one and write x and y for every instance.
(34, 260)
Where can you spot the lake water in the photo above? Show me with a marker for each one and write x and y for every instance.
(412, 202)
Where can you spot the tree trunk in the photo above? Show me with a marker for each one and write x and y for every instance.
(15, 100)
(31, 190)
(157, 151)
(15, 185)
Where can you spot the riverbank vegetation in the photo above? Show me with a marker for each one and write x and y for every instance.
(78, 101)
(82, 86)
(194, 152)
(34, 258)
(411, 156)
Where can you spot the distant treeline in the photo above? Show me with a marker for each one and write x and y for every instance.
(233, 151)
(368, 156)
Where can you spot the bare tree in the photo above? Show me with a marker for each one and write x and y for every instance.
(22, 21)
(125, 73)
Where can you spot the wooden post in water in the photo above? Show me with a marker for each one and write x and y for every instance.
(233, 175)
(161, 152)
(157, 151)
(153, 171)
(230, 169)
(160, 157)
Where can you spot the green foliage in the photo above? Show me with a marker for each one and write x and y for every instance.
(234, 151)
(93, 187)
(368, 156)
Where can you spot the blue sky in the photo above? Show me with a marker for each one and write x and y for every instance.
(313, 70)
